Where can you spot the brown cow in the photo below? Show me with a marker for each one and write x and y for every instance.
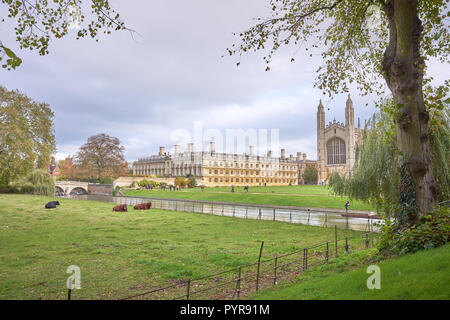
(121, 208)
(143, 206)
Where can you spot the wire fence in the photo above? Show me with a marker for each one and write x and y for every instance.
(241, 281)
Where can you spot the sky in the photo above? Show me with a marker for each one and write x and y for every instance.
(156, 87)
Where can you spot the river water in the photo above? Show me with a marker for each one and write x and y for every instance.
(313, 217)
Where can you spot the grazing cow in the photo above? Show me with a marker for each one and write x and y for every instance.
(52, 205)
(143, 206)
(121, 208)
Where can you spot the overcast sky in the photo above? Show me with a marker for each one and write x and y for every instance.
(145, 90)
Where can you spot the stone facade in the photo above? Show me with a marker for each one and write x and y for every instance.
(211, 168)
(336, 143)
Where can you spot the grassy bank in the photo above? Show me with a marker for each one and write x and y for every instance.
(123, 253)
(301, 196)
(423, 275)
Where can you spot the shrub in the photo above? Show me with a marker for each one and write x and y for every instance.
(106, 180)
(38, 182)
(181, 181)
(191, 181)
(8, 189)
(430, 231)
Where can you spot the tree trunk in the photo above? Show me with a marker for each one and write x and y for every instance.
(403, 69)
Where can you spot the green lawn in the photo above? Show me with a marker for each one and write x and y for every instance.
(423, 275)
(301, 196)
(123, 253)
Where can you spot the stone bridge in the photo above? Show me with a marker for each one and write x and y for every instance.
(72, 187)
(77, 187)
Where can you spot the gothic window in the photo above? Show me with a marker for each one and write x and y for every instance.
(336, 151)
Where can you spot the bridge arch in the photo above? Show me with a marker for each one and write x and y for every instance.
(78, 190)
(59, 190)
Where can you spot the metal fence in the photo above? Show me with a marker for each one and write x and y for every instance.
(260, 212)
(243, 280)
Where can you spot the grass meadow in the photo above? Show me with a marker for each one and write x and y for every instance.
(419, 276)
(121, 254)
(301, 196)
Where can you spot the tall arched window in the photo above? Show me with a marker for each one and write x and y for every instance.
(336, 151)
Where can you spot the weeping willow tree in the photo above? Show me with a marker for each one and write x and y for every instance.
(376, 178)
(38, 182)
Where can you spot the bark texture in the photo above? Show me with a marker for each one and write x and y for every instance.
(403, 71)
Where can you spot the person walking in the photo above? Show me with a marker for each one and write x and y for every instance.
(346, 213)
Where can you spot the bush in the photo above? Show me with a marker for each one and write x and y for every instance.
(38, 182)
(8, 189)
(191, 183)
(181, 181)
(145, 182)
(106, 180)
(431, 231)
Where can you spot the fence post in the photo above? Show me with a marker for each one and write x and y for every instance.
(259, 213)
(306, 258)
(326, 219)
(188, 289)
(336, 239)
(309, 214)
(238, 282)
(346, 244)
(203, 207)
(367, 240)
(69, 294)
(290, 216)
(223, 209)
(246, 212)
(234, 210)
(326, 254)
(275, 271)
(274, 214)
(259, 264)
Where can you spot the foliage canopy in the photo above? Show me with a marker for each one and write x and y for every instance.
(26, 135)
(37, 22)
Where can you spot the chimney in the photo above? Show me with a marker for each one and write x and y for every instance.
(269, 153)
(252, 150)
(212, 146)
(283, 153)
(304, 157)
(291, 157)
(177, 149)
(162, 151)
(190, 147)
(299, 156)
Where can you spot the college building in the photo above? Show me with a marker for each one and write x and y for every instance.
(336, 144)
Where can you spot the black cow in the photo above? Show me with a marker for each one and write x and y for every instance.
(52, 205)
